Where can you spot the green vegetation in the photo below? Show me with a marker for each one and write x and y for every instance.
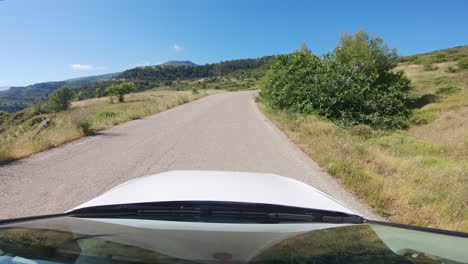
(175, 75)
(60, 99)
(417, 175)
(98, 92)
(354, 84)
(463, 63)
(453, 54)
(19, 98)
(27, 132)
(120, 90)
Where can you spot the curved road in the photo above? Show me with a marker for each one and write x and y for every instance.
(220, 132)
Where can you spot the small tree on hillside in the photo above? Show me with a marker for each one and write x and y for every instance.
(120, 90)
(79, 95)
(98, 92)
(60, 99)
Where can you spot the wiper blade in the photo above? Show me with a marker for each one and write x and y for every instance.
(217, 212)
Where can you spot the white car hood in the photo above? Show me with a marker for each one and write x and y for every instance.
(218, 186)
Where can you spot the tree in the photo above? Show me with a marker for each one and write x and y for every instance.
(98, 92)
(304, 49)
(120, 90)
(365, 52)
(60, 99)
(79, 95)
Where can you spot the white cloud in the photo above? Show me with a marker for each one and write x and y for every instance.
(178, 48)
(81, 67)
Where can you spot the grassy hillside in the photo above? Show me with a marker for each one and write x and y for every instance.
(414, 176)
(19, 98)
(438, 56)
(173, 75)
(21, 133)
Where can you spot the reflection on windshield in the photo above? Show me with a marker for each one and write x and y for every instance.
(353, 244)
(72, 240)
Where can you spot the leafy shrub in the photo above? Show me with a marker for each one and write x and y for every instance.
(85, 127)
(81, 119)
(463, 63)
(353, 85)
(60, 99)
(195, 90)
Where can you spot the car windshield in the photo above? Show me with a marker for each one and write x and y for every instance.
(98, 240)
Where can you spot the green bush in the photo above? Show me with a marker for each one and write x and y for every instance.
(353, 85)
(85, 127)
(60, 99)
(463, 63)
(195, 90)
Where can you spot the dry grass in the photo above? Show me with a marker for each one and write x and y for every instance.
(417, 176)
(404, 179)
(25, 139)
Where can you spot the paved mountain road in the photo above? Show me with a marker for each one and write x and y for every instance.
(220, 132)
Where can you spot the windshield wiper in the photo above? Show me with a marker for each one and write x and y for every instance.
(205, 211)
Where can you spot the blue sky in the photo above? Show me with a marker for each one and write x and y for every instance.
(51, 40)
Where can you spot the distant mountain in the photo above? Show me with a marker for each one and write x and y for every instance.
(154, 74)
(4, 88)
(179, 63)
(18, 98)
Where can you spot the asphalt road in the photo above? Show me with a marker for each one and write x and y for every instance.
(220, 132)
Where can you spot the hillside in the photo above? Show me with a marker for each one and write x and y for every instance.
(172, 75)
(179, 63)
(233, 74)
(438, 56)
(18, 98)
